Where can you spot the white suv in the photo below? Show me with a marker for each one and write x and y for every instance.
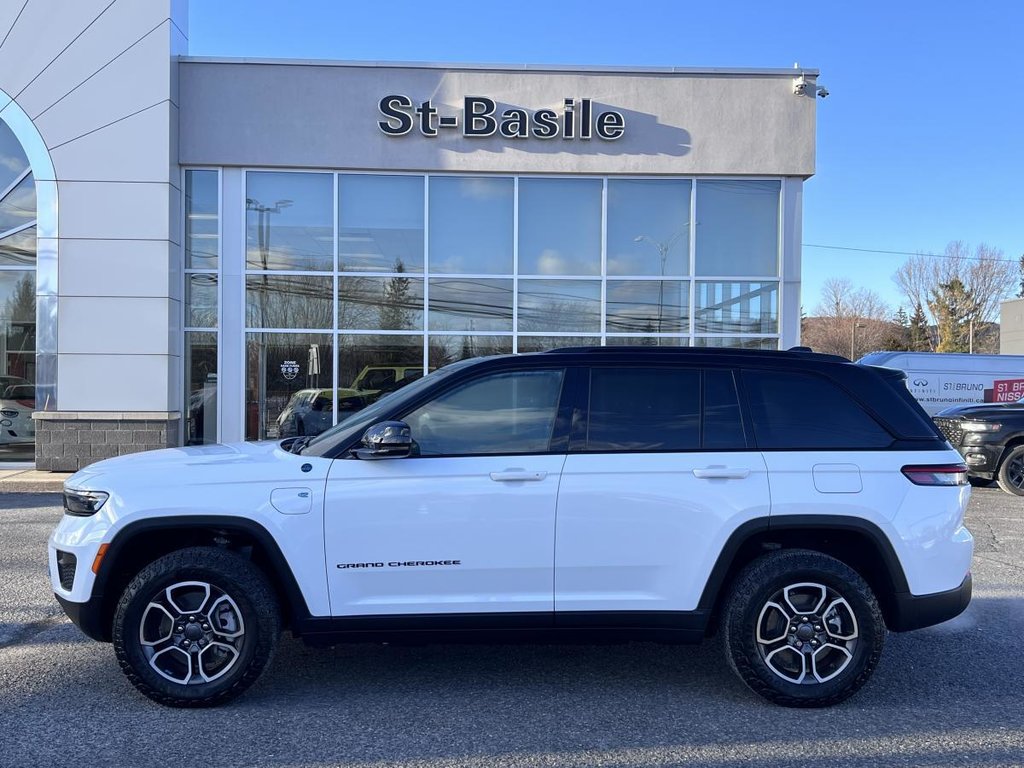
(798, 502)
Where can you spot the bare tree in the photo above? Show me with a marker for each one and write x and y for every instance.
(850, 321)
(985, 274)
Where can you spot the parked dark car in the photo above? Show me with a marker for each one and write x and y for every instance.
(990, 436)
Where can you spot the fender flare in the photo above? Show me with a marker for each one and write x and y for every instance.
(811, 523)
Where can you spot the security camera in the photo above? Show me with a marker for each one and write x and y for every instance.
(800, 86)
(822, 91)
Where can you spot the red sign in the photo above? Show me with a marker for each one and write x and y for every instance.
(1008, 390)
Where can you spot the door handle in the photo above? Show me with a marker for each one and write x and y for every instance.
(727, 473)
(517, 474)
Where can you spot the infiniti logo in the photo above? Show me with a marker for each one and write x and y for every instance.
(920, 382)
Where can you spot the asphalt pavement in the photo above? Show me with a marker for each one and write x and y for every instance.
(947, 695)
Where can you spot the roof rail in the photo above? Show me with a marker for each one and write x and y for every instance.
(724, 351)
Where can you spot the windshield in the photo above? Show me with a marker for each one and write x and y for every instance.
(358, 422)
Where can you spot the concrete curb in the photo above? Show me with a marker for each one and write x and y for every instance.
(31, 481)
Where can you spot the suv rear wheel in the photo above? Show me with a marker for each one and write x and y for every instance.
(196, 627)
(802, 629)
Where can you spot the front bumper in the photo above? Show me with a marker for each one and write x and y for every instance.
(917, 611)
(87, 616)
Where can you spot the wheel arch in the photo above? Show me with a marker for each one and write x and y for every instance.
(859, 543)
(141, 542)
(1014, 442)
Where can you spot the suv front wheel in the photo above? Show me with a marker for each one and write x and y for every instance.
(196, 627)
(802, 629)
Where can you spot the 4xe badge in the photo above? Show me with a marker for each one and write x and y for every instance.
(289, 369)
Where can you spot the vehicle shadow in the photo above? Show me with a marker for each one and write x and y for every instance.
(944, 695)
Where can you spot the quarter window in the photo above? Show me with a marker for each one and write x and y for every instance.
(504, 413)
(792, 411)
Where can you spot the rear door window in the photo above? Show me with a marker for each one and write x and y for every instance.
(793, 410)
(663, 409)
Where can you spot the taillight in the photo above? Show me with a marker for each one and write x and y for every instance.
(936, 474)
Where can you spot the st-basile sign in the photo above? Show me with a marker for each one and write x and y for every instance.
(480, 118)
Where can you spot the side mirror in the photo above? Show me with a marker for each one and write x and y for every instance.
(386, 440)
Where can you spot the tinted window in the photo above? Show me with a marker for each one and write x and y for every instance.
(799, 410)
(644, 409)
(502, 413)
(723, 425)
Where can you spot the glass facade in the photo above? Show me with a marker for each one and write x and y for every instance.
(17, 301)
(202, 305)
(357, 283)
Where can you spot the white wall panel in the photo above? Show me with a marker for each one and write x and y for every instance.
(42, 31)
(127, 148)
(116, 268)
(110, 210)
(113, 382)
(125, 22)
(113, 325)
(138, 79)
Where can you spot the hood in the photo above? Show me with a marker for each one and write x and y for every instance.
(981, 410)
(169, 459)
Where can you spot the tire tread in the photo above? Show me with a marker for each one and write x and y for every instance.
(216, 561)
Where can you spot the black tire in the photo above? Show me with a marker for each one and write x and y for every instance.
(251, 601)
(1011, 472)
(747, 607)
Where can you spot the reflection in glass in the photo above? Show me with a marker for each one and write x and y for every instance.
(380, 303)
(380, 222)
(18, 206)
(468, 304)
(544, 343)
(738, 228)
(19, 249)
(201, 388)
(287, 384)
(559, 305)
(17, 365)
(13, 161)
(737, 307)
(646, 341)
(201, 300)
(371, 366)
(503, 413)
(201, 216)
(560, 226)
(648, 227)
(289, 221)
(442, 350)
(647, 306)
(738, 343)
(288, 301)
(471, 224)
(373, 362)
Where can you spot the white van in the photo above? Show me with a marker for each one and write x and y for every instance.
(939, 380)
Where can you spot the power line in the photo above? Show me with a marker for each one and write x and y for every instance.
(907, 253)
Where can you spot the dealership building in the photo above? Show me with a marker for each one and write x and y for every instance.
(186, 243)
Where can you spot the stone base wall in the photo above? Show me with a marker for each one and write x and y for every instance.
(67, 442)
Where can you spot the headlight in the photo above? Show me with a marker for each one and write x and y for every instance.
(83, 503)
(980, 426)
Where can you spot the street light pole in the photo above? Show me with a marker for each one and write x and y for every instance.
(853, 335)
(663, 249)
(263, 242)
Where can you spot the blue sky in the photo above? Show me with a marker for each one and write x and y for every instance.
(921, 141)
